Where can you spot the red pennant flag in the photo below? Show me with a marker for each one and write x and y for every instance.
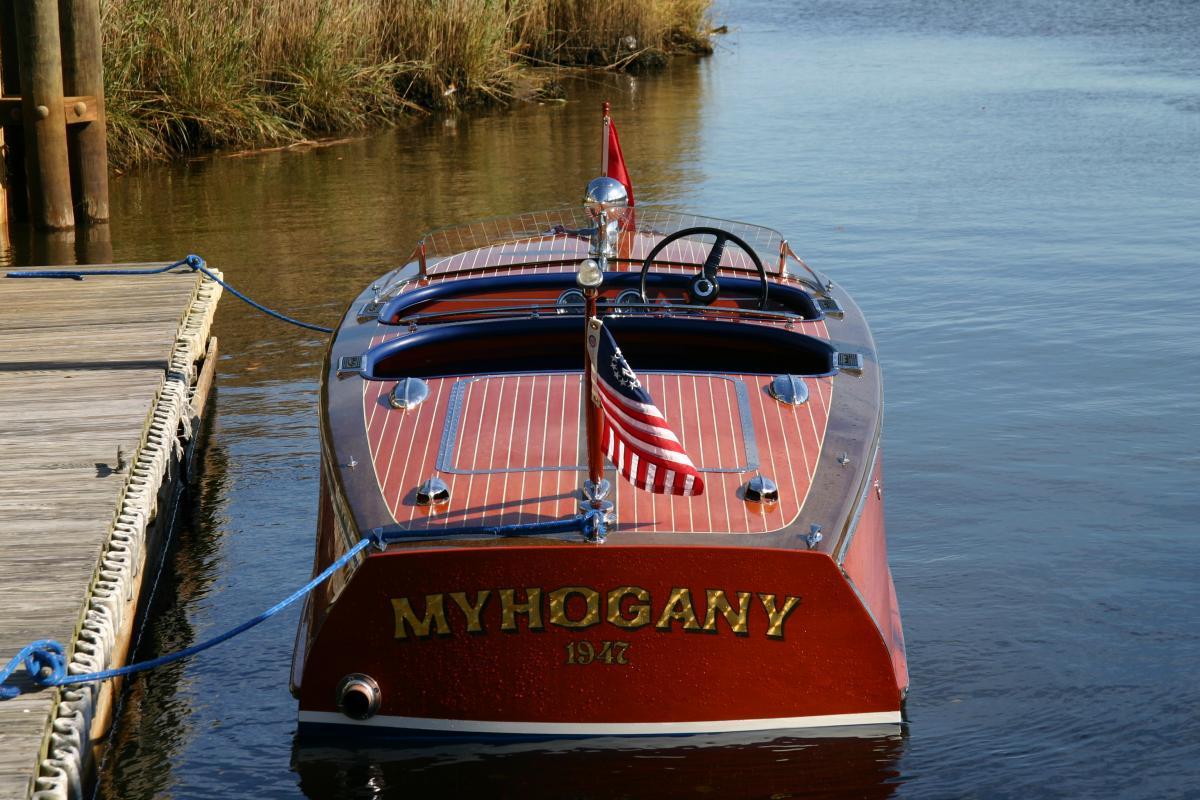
(613, 163)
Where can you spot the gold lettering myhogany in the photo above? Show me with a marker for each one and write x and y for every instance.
(578, 607)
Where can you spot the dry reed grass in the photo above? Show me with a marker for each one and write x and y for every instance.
(182, 76)
(590, 32)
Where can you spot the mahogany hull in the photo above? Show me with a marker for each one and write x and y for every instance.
(698, 615)
(567, 639)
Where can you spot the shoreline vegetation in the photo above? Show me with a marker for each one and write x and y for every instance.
(181, 76)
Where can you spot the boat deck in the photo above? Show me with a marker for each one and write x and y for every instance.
(502, 428)
(511, 449)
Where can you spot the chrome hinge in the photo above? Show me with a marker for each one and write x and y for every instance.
(830, 307)
(348, 364)
(850, 362)
(370, 309)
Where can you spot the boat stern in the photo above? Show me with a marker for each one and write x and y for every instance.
(571, 640)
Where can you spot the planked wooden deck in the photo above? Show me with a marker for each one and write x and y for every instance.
(82, 364)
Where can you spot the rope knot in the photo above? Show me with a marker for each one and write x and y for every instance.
(44, 660)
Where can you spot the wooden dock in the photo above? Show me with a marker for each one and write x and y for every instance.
(101, 382)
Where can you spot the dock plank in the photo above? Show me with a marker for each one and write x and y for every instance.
(81, 363)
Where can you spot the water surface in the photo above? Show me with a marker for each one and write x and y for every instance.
(1010, 190)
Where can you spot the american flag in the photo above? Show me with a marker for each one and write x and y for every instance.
(633, 432)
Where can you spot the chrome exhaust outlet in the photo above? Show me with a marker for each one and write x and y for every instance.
(358, 696)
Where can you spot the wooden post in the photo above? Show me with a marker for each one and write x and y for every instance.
(3, 199)
(10, 86)
(4, 175)
(5, 240)
(83, 75)
(45, 121)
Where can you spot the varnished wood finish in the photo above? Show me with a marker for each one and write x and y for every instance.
(518, 451)
(81, 363)
(546, 253)
(502, 427)
(866, 566)
(841, 471)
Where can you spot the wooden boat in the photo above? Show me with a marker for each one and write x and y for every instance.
(472, 422)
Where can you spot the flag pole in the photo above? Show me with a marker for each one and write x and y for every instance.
(595, 488)
(589, 280)
(603, 195)
(605, 122)
(591, 409)
(590, 293)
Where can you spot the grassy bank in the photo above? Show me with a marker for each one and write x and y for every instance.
(182, 76)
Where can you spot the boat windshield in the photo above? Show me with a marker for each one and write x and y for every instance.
(558, 236)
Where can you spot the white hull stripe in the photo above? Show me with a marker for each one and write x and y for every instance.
(603, 728)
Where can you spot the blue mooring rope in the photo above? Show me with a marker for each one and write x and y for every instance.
(193, 262)
(591, 523)
(45, 660)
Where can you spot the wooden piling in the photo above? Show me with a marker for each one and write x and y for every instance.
(83, 76)
(43, 115)
(15, 187)
(4, 243)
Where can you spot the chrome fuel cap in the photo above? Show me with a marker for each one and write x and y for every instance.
(433, 492)
(762, 493)
(408, 393)
(790, 390)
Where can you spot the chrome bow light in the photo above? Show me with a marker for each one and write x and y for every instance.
(590, 275)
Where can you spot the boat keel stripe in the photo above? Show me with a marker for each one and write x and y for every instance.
(603, 728)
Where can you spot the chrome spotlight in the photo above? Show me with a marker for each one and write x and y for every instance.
(605, 196)
(606, 203)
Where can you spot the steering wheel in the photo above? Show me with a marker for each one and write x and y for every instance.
(703, 289)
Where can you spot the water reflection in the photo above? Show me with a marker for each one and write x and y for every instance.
(841, 763)
(155, 706)
(21, 245)
(1009, 191)
(306, 230)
